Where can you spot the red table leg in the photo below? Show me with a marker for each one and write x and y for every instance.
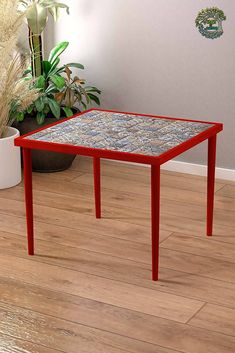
(155, 214)
(96, 167)
(28, 198)
(211, 183)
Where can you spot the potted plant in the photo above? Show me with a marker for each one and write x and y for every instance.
(61, 94)
(15, 94)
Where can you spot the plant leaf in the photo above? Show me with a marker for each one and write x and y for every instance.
(54, 68)
(37, 17)
(84, 105)
(69, 97)
(51, 89)
(27, 71)
(46, 109)
(68, 111)
(78, 80)
(59, 96)
(20, 116)
(94, 98)
(29, 109)
(40, 118)
(68, 73)
(55, 107)
(40, 83)
(92, 89)
(58, 81)
(46, 67)
(77, 65)
(57, 51)
(39, 104)
(54, 7)
(78, 95)
(83, 92)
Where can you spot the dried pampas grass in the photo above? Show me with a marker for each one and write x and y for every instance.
(10, 25)
(15, 93)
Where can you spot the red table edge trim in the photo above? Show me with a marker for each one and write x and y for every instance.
(86, 151)
(184, 146)
(110, 154)
(154, 116)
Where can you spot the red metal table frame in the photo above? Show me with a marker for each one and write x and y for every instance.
(155, 161)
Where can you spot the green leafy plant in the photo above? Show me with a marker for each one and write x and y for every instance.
(37, 12)
(58, 90)
(75, 92)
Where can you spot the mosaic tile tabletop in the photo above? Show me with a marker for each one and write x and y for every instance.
(121, 132)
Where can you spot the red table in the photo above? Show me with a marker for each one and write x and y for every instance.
(128, 137)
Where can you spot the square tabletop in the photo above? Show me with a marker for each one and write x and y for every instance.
(127, 133)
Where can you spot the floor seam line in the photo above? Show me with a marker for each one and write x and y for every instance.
(197, 312)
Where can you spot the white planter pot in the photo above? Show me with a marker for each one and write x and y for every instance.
(10, 164)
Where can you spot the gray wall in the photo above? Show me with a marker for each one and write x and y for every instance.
(147, 56)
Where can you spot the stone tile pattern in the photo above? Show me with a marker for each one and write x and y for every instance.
(121, 132)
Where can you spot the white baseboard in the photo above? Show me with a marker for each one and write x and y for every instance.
(194, 169)
(198, 169)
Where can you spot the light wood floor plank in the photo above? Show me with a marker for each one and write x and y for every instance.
(215, 318)
(204, 246)
(175, 260)
(225, 221)
(214, 268)
(227, 191)
(140, 184)
(172, 223)
(9, 344)
(103, 263)
(105, 290)
(60, 334)
(123, 322)
(121, 270)
(74, 220)
(129, 171)
(137, 197)
(207, 266)
(47, 231)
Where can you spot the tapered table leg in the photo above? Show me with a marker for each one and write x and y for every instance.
(155, 214)
(28, 198)
(96, 167)
(211, 183)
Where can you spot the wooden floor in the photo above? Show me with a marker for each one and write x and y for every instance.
(88, 289)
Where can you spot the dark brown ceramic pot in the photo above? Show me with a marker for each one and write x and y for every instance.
(45, 161)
